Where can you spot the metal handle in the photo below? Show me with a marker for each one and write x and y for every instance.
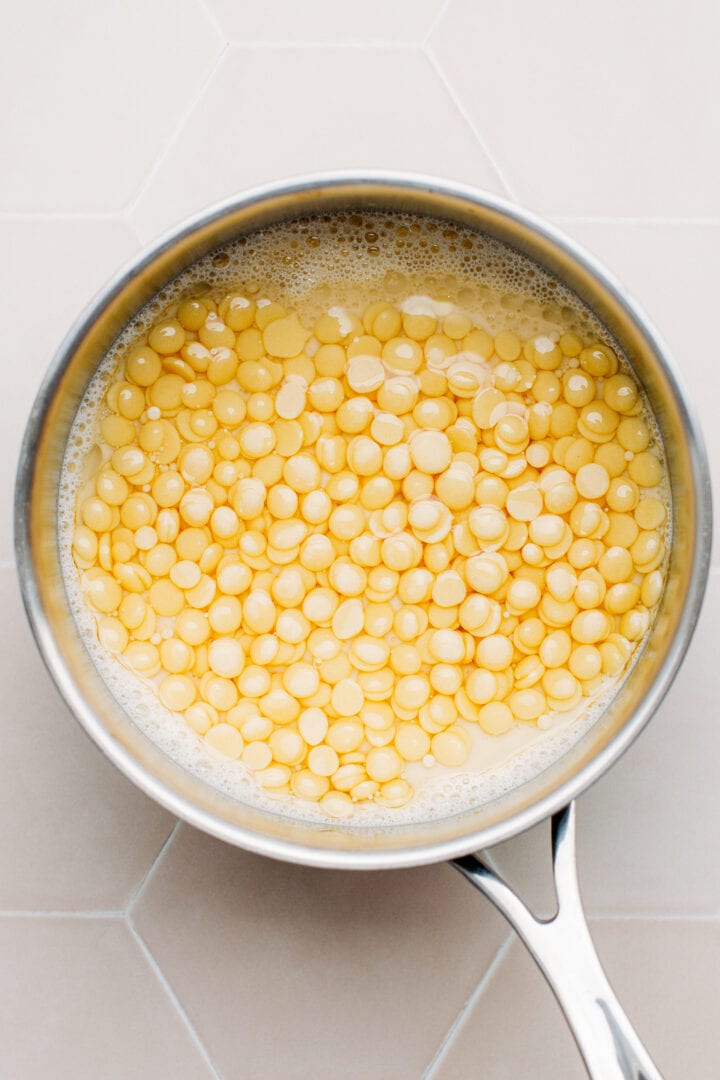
(564, 952)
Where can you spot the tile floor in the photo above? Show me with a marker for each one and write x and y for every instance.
(132, 947)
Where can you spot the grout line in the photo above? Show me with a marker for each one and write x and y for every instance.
(146, 878)
(477, 993)
(669, 917)
(61, 215)
(214, 21)
(173, 998)
(132, 225)
(440, 15)
(174, 137)
(435, 64)
(62, 914)
(377, 43)
(582, 219)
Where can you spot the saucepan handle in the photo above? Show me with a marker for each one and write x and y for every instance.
(564, 952)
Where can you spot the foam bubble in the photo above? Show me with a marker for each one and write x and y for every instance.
(341, 262)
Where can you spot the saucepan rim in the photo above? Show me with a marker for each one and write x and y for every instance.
(288, 849)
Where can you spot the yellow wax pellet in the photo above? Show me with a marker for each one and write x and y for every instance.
(259, 611)
(224, 615)
(590, 627)
(383, 764)
(494, 652)
(257, 756)
(226, 657)
(257, 440)
(347, 579)
(451, 747)
(447, 646)
(412, 691)
(177, 692)
(527, 704)
(226, 739)
(522, 595)
(345, 546)
(253, 682)
(196, 507)
(347, 698)
(592, 481)
(104, 593)
(201, 717)
(486, 572)
(142, 365)
(495, 718)
(113, 634)
(651, 588)
(430, 451)
(649, 514)
(313, 725)
(411, 742)
(301, 680)
(345, 735)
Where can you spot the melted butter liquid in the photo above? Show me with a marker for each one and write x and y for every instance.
(343, 262)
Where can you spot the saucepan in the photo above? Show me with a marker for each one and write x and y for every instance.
(561, 945)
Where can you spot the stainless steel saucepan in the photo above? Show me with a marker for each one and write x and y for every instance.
(561, 946)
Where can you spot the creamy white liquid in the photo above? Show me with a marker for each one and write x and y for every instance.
(314, 265)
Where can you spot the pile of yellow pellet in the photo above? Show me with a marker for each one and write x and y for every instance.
(342, 548)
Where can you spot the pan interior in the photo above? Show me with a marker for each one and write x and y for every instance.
(221, 244)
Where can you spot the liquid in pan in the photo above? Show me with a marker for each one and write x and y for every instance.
(364, 517)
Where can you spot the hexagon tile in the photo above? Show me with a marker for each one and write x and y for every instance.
(76, 256)
(672, 269)
(517, 1030)
(134, 947)
(78, 999)
(297, 973)
(83, 835)
(319, 108)
(327, 21)
(578, 109)
(103, 87)
(661, 798)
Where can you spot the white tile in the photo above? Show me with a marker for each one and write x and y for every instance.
(327, 20)
(78, 1001)
(608, 112)
(77, 834)
(291, 972)
(49, 272)
(96, 91)
(514, 1029)
(672, 270)
(273, 113)
(665, 975)
(648, 828)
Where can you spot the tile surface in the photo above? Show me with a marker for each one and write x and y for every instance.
(81, 835)
(386, 110)
(516, 1028)
(327, 20)
(646, 827)
(672, 271)
(368, 970)
(74, 259)
(78, 1000)
(124, 119)
(97, 110)
(577, 107)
